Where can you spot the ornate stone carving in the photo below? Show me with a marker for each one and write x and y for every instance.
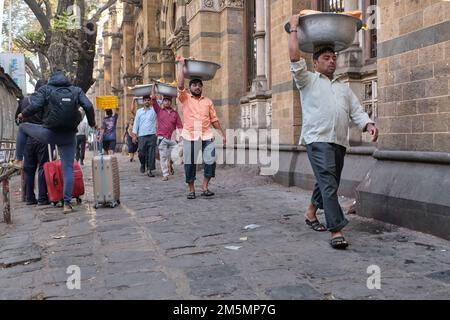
(180, 40)
(232, 4)
(166, 55)
(195, 6)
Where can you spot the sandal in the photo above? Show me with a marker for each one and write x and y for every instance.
(207, 193)
(338, 243)
(67, 209)
(316, 225)
(191, 195)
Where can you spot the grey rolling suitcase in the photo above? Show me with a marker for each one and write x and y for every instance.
(105, 175)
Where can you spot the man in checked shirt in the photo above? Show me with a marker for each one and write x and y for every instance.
(328, 105)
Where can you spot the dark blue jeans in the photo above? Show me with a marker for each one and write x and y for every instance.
(36, 154)
(191, 150)
(327, 162)
(66, 143)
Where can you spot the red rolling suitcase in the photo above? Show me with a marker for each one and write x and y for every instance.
(54, 179)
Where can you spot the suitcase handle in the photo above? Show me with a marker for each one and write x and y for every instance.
(97, 144)
(50, 153)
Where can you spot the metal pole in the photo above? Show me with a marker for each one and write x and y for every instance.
(2, 6)
(10, 26)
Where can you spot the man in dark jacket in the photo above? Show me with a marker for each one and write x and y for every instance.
(60, 101)
(35, 155)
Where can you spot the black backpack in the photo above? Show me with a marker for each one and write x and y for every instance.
(63, 114)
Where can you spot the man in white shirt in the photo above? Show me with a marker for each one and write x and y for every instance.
(82, 132)
(328, 105)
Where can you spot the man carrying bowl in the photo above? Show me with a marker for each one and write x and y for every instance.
(168, 121)
(199, 115)
(327, 107)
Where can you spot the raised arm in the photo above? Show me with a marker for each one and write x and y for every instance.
(180, 72)
(294, 52)
(155, 104)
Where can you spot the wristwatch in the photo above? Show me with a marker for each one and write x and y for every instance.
(292, 30)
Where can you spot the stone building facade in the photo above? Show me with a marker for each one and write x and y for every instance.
(399, 69)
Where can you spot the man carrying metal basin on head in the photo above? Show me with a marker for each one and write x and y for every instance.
(328, 105)
(168, 120)
(199, 115)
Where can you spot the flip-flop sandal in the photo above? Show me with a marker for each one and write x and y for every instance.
(338, 243)
(207, 193)
(316, 225)
(191, 195)
(68, 210)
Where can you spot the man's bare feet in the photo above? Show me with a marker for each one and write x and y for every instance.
(311, 219)
(67, 208)
(311, 213)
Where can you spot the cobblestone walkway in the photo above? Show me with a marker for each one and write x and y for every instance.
(158, 245)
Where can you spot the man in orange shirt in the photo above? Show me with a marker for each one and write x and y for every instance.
(198, 116)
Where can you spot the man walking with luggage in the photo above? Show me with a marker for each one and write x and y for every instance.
(35, 155)
(327, 107)
(168, 121)
(199, 115)
(82, 132)
(145, 128)
(60, 101)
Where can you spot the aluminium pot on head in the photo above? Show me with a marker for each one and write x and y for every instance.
(166, 90)
(142, 90)
(334, 29)
(198, 69)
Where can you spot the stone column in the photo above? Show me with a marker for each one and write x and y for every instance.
(152, 66)
(260, 82)
(128, 72)
(286, 111)
(204, 16)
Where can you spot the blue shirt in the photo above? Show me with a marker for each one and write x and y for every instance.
(145, 122)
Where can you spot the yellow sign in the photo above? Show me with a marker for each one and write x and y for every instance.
(107, 102)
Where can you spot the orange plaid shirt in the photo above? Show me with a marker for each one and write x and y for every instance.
(198, 116)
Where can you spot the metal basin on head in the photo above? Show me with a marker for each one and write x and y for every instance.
(334, 29)
(142, 90)
(165, 89)
(198, 69)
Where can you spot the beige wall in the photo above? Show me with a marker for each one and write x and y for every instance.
(414, 85)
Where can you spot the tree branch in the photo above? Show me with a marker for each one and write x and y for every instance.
(32, 70)
(40, 15)
(99, 12)
(48, 9)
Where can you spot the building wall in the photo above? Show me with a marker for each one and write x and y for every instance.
(413, 72)
(9, 93)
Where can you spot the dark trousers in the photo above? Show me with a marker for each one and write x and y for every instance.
(35, 155)
(191, 150)
(327, 161)
(81, 148)
(147, 149)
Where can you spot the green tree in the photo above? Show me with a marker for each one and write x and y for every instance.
(64, 37)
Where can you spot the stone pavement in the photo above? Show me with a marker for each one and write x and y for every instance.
(158, 245)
